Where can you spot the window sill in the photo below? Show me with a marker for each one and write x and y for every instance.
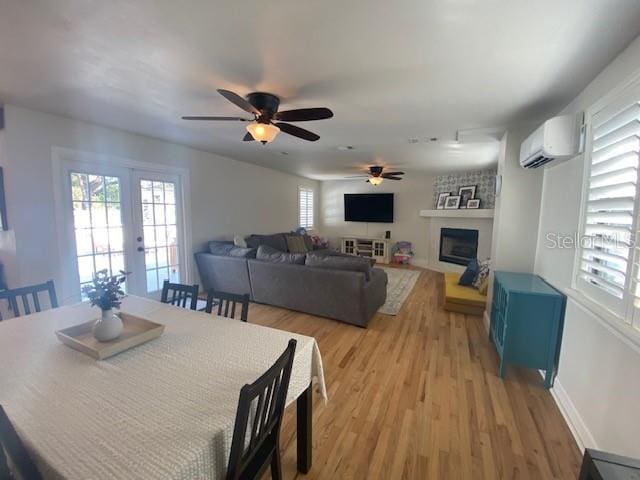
(606, 317)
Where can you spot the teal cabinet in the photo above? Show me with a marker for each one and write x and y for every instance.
(527, 318)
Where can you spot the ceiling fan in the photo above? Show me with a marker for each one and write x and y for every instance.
(376, 176)
(264, 108)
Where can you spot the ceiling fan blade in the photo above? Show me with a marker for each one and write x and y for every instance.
(392, 173)
(392, 178)
(238, 101)
(304, 114)
(367, 181)
(247, 137)
(238, 119)
(357, 176)
(297, 131)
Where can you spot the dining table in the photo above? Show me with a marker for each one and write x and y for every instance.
(162, 410)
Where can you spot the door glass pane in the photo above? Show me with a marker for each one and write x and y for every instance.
(160, 232)
(97, 223)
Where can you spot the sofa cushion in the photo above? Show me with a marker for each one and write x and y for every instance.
(333, 262)
(268, 254)
(459, 294)
(220, 247)
(295, 244)
(242, 252)
(276, 241)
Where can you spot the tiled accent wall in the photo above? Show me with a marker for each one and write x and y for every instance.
(485, 181)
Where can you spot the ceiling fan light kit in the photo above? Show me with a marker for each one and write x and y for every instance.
(375, 181)
(263, 132)
(264, 107)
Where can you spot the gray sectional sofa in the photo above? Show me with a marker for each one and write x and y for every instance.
(321, 282)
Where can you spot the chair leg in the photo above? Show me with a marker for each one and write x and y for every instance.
(276, 467)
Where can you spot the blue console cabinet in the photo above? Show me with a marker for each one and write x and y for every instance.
(527, 318)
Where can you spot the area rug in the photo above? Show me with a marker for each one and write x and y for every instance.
(401, 282)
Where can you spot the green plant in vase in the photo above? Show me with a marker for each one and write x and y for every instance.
(106, 293)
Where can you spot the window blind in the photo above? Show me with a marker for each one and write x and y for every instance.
(608, 245)
(305, 207)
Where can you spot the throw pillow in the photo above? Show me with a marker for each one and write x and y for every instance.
(308, 243)
(484, 287)
(268, 254)
(220, 248)
(350, 263)
(243, 252)
(295, 244)
(239, 241)
(469, 275)
(483, 272)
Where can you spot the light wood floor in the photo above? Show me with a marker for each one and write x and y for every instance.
(416, 396)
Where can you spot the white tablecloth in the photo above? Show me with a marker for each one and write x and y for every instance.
(165, 409)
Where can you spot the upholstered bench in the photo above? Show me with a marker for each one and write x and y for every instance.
(458, 298)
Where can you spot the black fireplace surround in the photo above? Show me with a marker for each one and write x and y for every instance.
(458, 245)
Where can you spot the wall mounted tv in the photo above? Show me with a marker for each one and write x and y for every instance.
(368, 207)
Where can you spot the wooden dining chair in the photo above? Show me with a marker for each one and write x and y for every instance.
(261, 403)
(12, 446)
(227, 302)
(29, 298)
(179, 295)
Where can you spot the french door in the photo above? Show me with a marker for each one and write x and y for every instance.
(123, 219)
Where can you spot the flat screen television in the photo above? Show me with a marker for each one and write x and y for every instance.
(368, 207)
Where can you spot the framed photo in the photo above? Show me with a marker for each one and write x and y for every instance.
(452, 202)
(466, 194)
(473, 203)
(441, 200)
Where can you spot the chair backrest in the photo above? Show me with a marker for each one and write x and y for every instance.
(185, 296)
(11, 444)
(29, 298)
(270, 393)
(226, 303)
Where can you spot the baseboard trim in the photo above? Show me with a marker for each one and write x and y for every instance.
(420, 262)
(572, 418)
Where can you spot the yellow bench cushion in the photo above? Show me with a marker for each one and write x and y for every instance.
(454, 293)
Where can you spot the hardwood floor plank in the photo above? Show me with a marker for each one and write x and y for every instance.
(417, 395)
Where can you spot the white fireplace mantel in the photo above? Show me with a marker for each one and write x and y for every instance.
(459, 213)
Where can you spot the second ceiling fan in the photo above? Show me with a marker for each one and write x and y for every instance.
(264, 108)
(376, 175)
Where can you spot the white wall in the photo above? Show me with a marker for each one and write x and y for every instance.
(227, 197)
(517, 209)
(412, 194)
(598, 385)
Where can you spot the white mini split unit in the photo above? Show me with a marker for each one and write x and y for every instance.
(559, 138)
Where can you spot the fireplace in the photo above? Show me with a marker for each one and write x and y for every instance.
(458, 245)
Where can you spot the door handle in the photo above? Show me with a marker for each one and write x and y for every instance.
(141, 249)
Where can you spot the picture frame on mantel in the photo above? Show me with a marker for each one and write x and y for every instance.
(473, 203)
(466, 193)
(442, 198)
(452, 202)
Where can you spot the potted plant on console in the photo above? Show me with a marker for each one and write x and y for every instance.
(106, 293)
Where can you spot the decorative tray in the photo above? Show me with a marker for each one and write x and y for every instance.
(136, 331)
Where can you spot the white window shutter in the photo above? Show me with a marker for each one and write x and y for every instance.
(610, 218)
(305, 207)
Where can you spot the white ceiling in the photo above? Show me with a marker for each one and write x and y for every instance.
(390, 71)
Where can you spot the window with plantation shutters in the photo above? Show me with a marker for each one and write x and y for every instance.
(608, 265)
(305, 207)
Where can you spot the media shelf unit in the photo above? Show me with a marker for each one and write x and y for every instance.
(376, 248)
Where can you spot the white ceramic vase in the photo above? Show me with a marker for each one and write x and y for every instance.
(107, 327)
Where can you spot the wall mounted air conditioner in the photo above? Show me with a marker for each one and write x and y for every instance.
(559, 138)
